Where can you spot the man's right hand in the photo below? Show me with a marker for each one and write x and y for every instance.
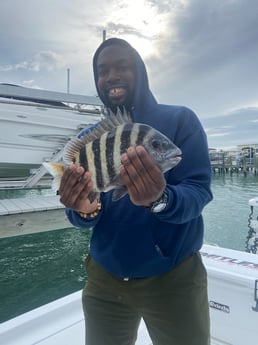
(76, 184)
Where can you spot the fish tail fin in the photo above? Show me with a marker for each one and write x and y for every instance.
(57, 171)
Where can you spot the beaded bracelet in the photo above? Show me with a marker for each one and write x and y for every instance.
(92, 214)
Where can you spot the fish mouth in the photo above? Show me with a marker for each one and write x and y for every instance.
(175, 157)
(174, 154)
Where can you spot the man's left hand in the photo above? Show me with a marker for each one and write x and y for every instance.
(143, 178)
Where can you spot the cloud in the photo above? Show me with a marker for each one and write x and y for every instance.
(44, 60)
(48, 60)
(200, 53)
(115, 29)
(211, 33)
(209, 56)
(30, 83)
(219, 135)
(241, 127)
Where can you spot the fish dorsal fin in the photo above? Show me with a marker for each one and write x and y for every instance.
(71, 148)
(106, 125)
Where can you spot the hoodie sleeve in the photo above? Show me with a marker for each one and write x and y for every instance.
(188, 184)
(79, 222)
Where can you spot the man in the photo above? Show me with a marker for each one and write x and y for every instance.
(144, 260)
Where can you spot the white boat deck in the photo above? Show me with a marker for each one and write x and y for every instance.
(29, 204)
(57, 323)
(232, 283)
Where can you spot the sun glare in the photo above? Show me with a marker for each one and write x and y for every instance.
(143, 45)
(141, 25)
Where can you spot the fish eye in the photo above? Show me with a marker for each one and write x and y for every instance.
(155, 143)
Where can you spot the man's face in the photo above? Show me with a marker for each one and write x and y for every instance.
(116, 76)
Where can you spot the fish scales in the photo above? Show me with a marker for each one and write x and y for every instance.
(95, 146)
(116, 161)
(82, 158)
(104, 160)
(126, 139)
(89, 152)
(109, 154)
(106, 154)
(117, 142)
(99, 151)
(142, 132)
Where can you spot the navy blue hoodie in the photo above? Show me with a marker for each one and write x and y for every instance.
(130, 241)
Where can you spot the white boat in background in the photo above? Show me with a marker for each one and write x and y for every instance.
(34, 127)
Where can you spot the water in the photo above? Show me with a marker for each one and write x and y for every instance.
(226, 217)
(10, 193)
(37, 269)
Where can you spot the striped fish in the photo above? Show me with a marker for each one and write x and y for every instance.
(99, 152)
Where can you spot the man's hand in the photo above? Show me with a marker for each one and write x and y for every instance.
(143, 178)
(74, 190)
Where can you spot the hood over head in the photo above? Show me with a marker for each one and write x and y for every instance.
(143, 98)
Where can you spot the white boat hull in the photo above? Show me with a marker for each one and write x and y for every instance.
(231, 280)
(34, 127)
(32, 134)
(232, 284)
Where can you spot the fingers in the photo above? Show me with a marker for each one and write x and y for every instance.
(133, 170)
(143, 178)
(140, 166)
(75, 187)
(153, 172)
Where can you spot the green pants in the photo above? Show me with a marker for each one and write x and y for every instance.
(173, 305)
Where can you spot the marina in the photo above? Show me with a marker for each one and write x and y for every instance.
(40, 248)
(232, 277)
(242, 160)
(198, 56)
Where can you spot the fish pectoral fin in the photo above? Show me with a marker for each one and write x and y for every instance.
(57, 171)
(119, 193)
(93, 195)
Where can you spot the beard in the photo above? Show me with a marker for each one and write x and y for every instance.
(126, 103)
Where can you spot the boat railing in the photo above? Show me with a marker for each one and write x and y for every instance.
(28, 94)
(95, 111)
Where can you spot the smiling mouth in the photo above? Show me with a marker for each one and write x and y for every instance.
(117, 92)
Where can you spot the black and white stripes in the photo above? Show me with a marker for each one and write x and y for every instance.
(103, 154)
(99, 151)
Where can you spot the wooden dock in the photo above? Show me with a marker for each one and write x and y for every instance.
(29, 204)
(32, 214)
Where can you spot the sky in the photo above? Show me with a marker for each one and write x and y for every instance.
(199, 53)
